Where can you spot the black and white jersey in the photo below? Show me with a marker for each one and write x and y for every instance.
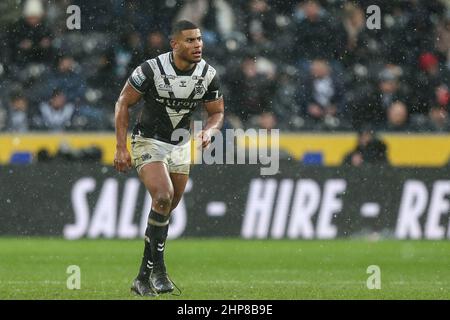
(171, 95)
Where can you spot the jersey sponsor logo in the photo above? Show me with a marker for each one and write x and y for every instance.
(165, 87)
(178, 104)
(138, 76)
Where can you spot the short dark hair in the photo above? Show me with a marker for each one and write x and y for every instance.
(56, 92)
(16, 96)
(181, 26)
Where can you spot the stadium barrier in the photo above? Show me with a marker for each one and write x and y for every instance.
(411, 150)
(93, 201)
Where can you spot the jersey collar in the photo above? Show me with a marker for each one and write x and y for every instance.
(178, 71)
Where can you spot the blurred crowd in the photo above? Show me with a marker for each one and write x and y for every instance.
(294, 65)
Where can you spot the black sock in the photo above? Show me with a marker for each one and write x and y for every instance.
(158, 227)
(146, 264)
(155, 238)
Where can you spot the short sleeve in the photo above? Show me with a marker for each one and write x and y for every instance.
(214, 92)
(141, 78)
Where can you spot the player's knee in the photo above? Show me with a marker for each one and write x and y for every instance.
(163, 200)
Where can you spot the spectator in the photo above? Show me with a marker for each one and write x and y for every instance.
(437, 120)
(127, 54)
(322, 95)
(420, 18)
(251, 90)
(287, 105)
(104, 82)
(358, 45)
(216, 17)
(426, 83)
(443, 96)
(369, 150)
(442, 39)
(372, 106)
(67, 78)
(156, 44)
(18, 114)
(389, 87)
(56, 114)
(397, 117)
(265, 120)
(260, 24)
(97, 15)
(29, 38)
(315, 34)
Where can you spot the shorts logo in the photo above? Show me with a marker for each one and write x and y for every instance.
(146, 156)
(138, 76)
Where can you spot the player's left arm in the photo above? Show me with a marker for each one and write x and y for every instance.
(214, 105)
(215, 110)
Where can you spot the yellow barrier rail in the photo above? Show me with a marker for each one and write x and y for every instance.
(424, 150)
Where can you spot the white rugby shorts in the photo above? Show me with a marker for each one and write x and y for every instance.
(146, 150)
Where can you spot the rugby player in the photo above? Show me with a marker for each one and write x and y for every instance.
(172, 86)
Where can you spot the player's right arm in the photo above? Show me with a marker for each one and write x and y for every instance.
(128, 97)
(132, 92)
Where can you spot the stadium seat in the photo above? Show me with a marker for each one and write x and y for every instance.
(313, 158)
(21, 158)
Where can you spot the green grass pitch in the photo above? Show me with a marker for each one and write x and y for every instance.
(35, 268)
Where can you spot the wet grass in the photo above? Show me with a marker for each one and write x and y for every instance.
(227, 269)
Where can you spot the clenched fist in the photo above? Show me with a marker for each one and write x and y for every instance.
(122, 160)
